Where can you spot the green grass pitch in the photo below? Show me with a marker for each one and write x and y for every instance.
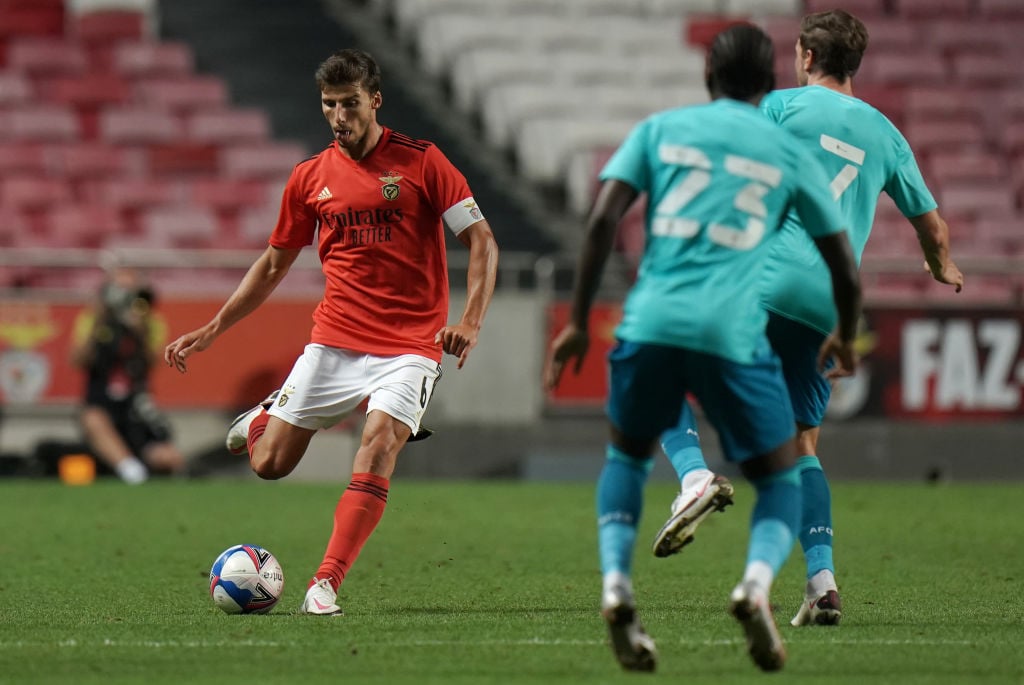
(483, 582)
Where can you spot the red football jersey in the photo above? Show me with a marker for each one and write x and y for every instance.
(380, 235)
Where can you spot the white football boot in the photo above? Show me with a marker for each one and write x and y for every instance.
(238, 433)
(321, 600)
(633, 647)
(690, 507)
(821, 606)
(748, 603)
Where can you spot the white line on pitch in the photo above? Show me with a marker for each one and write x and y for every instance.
(539, 642)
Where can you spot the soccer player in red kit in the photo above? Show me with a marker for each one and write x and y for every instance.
(375, 203)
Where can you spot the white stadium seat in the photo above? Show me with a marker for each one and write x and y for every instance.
(546, 145)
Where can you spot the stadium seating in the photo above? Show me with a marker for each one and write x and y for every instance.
(558, 89)
(182, 94)
(75, 225)
(15, 88)
(109, 137)
(97, 111)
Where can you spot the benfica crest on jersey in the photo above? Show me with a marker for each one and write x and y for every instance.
(390, 188)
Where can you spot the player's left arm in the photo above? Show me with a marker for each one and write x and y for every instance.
(933, 234)
(572, 343)
(459, 339)
(908, 190)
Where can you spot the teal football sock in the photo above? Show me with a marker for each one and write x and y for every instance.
(816, 518)
(775, 519)
(682, 446)
(620, 491)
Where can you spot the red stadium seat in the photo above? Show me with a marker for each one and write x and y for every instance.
(39, 122)
(127, 241)
(43, 19)
(268, 160)
(1012, 139)
(864, 9)
(33, 192)
(917, 9)
(183, 93)
(15, 88)
(228, 126)
(956, 35)
(1011, 100)
(13, 227)
(1006, 232)
(255, 225)
(133, 193)
(893, 288)
(154, 59)
(889, 100)
(22, 159)
(972, 68)
(223, 194)
(103, 26)
(82, 225)
(926, 135)
(89, 89)
(910, 68)
(944, 103)
(46, 56)
(702, 29)
(978, 198)
(94, 160)
(183, 158)
(183, 226)
(967, 166)
(1001, 8)
(889, 34)
(131, 124)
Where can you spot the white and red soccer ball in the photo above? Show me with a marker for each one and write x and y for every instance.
(246, 579)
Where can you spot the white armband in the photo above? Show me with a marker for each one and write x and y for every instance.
(462, 215)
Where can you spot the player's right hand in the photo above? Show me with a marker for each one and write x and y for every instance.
(571, 343)
(181, 349)
(842, 352)
(947, 273)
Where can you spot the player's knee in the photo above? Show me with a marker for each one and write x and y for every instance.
(269, 465)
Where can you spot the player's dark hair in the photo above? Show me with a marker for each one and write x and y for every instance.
(838, 41)
(741, 63)
(349, 66)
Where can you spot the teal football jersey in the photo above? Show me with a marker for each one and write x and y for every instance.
(719, 179)
(863, 155)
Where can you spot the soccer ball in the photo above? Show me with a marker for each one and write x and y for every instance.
(246, 579)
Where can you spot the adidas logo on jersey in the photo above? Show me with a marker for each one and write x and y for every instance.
(325, 194)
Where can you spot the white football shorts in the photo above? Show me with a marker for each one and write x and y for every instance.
(327, 383)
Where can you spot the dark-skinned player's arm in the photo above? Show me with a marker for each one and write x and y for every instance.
(571, 344)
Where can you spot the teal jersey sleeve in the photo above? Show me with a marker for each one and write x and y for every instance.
(906, 186)
(630, 162)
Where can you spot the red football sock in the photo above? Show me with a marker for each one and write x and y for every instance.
(256, 429)
(358, 512)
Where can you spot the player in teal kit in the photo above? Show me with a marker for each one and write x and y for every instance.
(719, 178)
(863, 155)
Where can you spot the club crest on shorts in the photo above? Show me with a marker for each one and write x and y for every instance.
(390, 188)
(285, 395)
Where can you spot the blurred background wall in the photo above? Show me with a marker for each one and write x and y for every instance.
(161, 134)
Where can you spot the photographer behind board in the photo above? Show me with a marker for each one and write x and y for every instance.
(115, 343)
